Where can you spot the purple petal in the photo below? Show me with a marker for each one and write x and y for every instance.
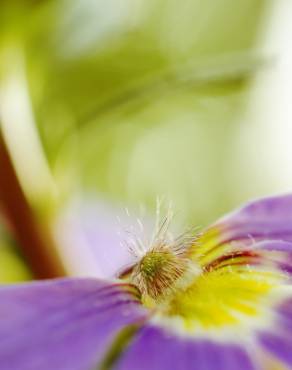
(157, 350)
(277, 340)
(285, 314)
(278, 252)
(268, 219)
(264, 219)
(272, 254)
(274, 245)
(88, 235)
(66, 324)
(278, 346)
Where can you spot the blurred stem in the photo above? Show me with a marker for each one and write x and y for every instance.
(20, 132)
(36, 246)
(25, 178)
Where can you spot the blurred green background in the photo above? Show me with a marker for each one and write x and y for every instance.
(133, 99)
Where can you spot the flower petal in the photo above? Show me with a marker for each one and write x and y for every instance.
(278, 253)
(64, 324)
(89, 240)
(267, 219)
(265, 345)
(277, 339)
(157, 349)
(273, 256)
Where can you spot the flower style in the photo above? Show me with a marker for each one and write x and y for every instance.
(215, 301)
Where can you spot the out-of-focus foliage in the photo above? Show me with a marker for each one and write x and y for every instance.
(135, 99)
(140, 98)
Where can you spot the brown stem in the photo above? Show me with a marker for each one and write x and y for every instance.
(36, 246)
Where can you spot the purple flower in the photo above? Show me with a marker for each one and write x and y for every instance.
(217, 301)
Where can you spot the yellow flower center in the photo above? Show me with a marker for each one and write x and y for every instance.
(194, 283)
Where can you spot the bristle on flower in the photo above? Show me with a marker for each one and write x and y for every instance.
(164, 263)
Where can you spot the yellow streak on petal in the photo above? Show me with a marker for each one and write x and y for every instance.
(220, 298)
(207, 249)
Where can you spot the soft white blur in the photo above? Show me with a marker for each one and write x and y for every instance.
(263, 141)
